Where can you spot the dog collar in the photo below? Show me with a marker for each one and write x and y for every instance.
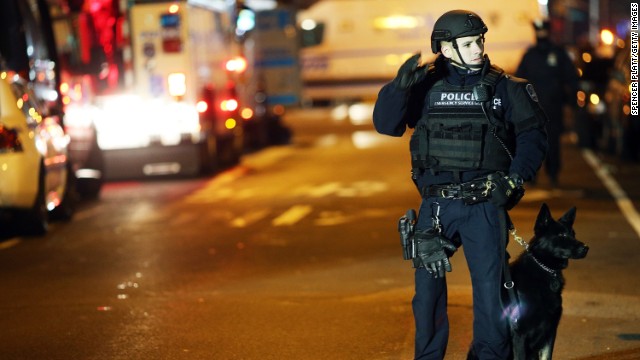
(543, 266)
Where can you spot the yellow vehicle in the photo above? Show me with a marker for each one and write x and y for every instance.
(36, 177)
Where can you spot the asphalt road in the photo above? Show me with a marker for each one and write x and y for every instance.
(294, 254)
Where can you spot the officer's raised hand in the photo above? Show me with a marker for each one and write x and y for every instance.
(410, 73)
(506, 191)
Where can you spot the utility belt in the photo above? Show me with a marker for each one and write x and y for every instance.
(471, 192)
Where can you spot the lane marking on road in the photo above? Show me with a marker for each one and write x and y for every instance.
(9, 243)
(325, 189)
(292, 215)
(249, 218)
(621, 198)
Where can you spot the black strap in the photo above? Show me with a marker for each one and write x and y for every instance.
(514, 301)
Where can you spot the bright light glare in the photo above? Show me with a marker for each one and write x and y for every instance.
(230, 123)
(340, 113)
(229, 105)
(360, 113)
(308, 24)
(367, 139)
(237, 64)
(128, 121)
(202, 106)
(594, 99)
(246, 20)
(607, 37)
(177, 84)
(396, 22)
(246, 113)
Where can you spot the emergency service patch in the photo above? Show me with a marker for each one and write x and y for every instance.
(532, 92)
(453, 99)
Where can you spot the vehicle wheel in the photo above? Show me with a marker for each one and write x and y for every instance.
(67, 207)
(89, 187)
(35, 221)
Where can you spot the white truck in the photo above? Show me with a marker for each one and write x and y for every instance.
(352, 47)
(178, 113)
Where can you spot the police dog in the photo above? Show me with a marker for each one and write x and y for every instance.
(537, 275)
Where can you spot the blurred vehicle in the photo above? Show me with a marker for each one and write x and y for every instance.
(36, 176)
(621, 131)
(29, 47)
(351, 48)
(151, 77)
(267, 72)
(591, 111)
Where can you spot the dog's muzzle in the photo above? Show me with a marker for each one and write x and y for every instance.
(580, 252)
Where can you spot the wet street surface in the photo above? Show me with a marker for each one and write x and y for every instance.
(294, 254)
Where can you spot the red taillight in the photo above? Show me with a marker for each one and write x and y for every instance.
(9, 140)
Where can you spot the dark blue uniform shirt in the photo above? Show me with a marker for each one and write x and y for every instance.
(397, 109)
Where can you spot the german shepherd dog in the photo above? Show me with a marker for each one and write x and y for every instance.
(537, 275)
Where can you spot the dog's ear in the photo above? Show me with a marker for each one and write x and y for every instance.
(543, 220)
(569, 217)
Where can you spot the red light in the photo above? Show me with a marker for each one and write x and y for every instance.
(9, 140)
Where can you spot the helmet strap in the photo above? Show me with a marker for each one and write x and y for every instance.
(463, 64)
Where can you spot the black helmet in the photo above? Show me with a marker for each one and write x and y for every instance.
(455, 24)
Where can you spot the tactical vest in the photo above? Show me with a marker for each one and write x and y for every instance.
(459, 133)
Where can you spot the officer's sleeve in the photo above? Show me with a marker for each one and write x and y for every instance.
(529, 120)
(531, 149)
(390, 111)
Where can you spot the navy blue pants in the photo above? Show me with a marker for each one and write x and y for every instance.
(478, 228)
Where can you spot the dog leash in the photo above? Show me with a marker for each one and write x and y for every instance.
(513, 308)
(518, 238)
(525, 245)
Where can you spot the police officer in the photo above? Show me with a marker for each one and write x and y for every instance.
(555, 77)
(477, 135)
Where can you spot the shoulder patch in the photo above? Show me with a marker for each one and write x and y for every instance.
(531, 92)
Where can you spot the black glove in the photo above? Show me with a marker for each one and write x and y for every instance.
(506, 191)
(433, 252)
(410, 73)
